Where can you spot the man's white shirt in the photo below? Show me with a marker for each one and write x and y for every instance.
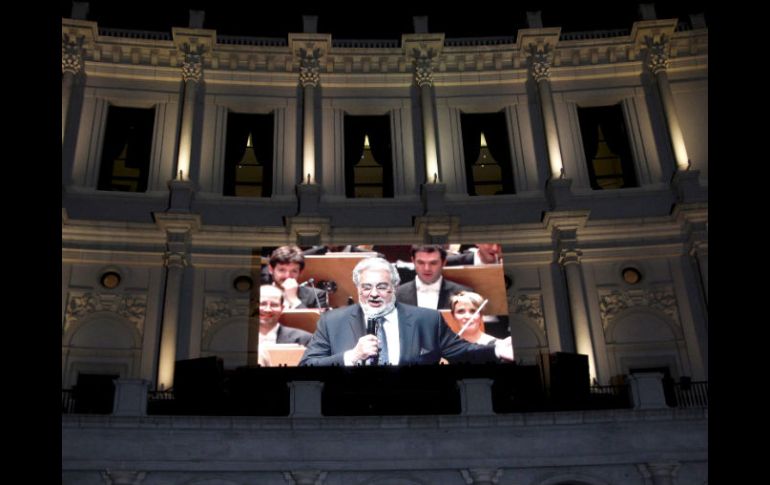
(428, 294)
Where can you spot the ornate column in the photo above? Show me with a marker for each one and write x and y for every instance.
(424, 49)
(540, 68)
(310, 48)
(309, 79)
(659, 473)
(178, 229)
(657, 63)
(192, 75)
(538, 45)
(564, 229)
(71, 67)
(481, 476)
(192, 44)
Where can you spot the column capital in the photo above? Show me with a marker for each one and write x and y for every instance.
(540, 59)
(310, 49)
(481, 476)
(193, 44)
(72, 53)
(436, 229)
(538, 45)
(657, 53)
(424, 50)
(308, 230)
(192, 65)
(654, 36)
(173, 223)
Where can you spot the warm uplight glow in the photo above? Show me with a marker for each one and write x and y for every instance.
(308, 137)
(483, 140)
(366, 142)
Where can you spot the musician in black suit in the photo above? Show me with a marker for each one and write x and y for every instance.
(407, 334)
(285, 267)
(429, 289)
(270, 311)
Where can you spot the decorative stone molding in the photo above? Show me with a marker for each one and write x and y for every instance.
(217, 309)
(659, 473)
(176, 259)
(540, 59)
(569, 256)
(72, 54)
(432, 229)
(657, 53)
(130, 307)
(305, 477)
(192, 65)
(479, 476)
(528, 306)
(123, 477)
(612, 302)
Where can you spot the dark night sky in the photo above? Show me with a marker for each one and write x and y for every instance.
(373, 20)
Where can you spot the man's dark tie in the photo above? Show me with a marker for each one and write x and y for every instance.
(382, 357)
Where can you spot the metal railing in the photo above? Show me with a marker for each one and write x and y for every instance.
(255, 41)
(594, 34)
(366, 43)
(67, 401)
(692, 394)
(478, 41)
(618, 396)
(134, 34)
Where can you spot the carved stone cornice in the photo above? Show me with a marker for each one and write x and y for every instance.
(612, 302)
(72, 54)
(435, 228)
(538, 47)
(424, 51)
(131, 307)
(310, 50)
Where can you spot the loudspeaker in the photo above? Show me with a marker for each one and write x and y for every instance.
(567, 376)
(198, 380)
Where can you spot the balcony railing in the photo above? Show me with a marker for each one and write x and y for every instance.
(692, 394)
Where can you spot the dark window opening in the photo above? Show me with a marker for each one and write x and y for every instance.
(94, 393)
(125, 164)
(607, 150)
(488, 169)
(368, 157)
(249, 155)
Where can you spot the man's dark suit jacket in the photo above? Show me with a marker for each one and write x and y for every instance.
(306, 296)
(423, 337)
(407, 293)
(291, 335)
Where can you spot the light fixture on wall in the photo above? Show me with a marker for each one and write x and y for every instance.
(110, 280)
(631, 276)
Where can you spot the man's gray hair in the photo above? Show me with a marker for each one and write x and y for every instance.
(375, 263)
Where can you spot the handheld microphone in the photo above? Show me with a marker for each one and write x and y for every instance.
(371, 329)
